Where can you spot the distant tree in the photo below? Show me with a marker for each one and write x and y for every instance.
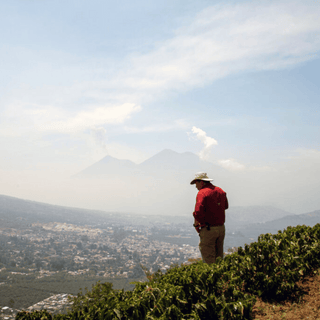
(11, 303)
(28, 260)
(71, 265)
(84, 238)
(79, 245)
(124, 250)
(14, 239)
(138, 271)
(12, 264)
(92, 272)
(85, 251)
(136, 256)
(107, 249)
(57, 246)
(119, 234)
(57, 264)
(38, 264)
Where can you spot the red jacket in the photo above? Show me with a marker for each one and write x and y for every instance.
(211, 205)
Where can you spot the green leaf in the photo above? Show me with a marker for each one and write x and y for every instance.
(117, 312)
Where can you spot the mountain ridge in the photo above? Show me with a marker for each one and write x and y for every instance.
(10, 205)
(166, 160)
(273, 226)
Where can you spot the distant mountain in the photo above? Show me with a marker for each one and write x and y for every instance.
(255, 229)
(108, 166)
(160, 185)
(171, 160)
(15, 211)
(26, 211)
(166, 164)
(237, 217)
(242, 231)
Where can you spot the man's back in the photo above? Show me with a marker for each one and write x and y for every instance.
(211, 204)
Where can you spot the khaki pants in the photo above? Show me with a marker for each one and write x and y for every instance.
(211, 243)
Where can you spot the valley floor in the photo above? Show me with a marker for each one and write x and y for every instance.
(306, 306)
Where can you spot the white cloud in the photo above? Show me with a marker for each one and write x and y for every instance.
(261, 169)
(306, 154)
(159, 127)
(231, 164)
(207, 141)
(221, 40)
(96, 117)
(47, 119)
(226, 39)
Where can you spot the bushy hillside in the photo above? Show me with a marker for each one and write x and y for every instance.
(268, 268)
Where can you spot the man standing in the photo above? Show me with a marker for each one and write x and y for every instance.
(209, 217)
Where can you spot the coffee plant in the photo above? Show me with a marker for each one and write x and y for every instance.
(268, 268)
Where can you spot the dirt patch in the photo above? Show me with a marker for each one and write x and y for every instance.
(306, 305)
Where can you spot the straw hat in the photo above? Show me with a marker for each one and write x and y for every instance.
(200, 176)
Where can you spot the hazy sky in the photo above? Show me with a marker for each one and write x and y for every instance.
(236, 82)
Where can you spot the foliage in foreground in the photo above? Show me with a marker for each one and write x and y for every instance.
(268, 268)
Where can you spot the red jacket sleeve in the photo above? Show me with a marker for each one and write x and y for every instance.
(199, 213)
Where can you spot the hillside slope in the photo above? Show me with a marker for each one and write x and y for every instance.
(306, 305)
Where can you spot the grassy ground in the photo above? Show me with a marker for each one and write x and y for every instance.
(23, 293)
(305, 305)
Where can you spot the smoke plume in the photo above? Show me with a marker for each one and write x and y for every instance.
(207, 141)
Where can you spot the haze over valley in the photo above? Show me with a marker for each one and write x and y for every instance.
(160, 185)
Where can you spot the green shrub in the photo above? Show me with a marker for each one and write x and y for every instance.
(268, 268)
(36, 315)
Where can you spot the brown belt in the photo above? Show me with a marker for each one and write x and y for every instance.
(211, 225)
